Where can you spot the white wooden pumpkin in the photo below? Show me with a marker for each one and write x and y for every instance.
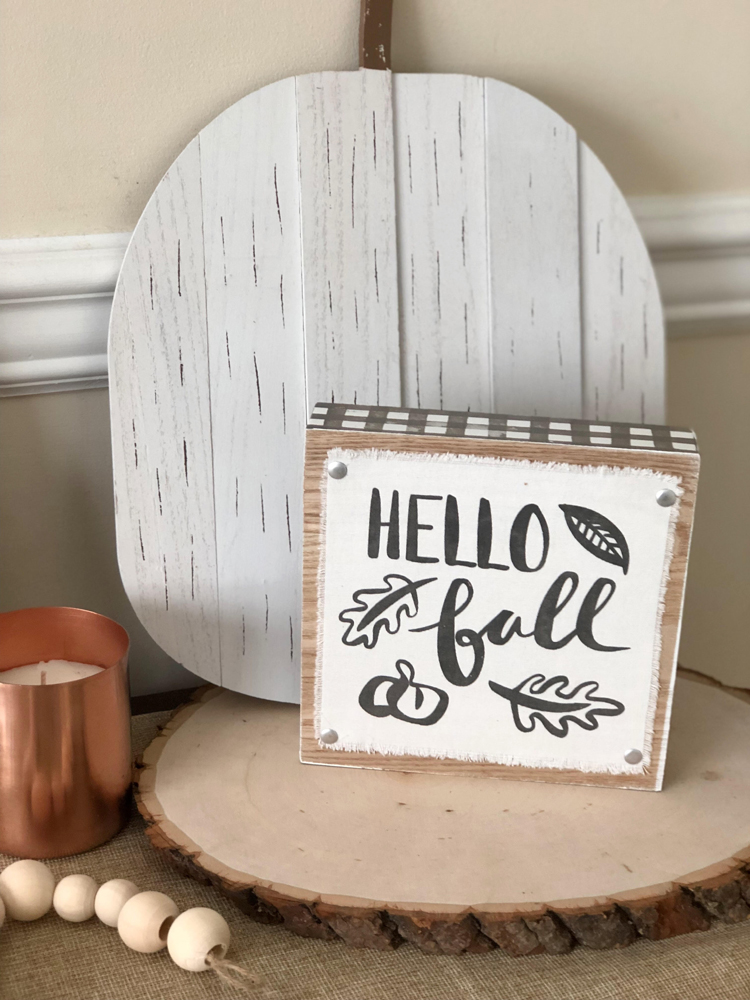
(410, 240)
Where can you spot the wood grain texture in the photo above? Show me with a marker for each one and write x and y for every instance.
(350, 285)
(623, 327)
(320, 442)
(613, 857)
(161, 425)
(442, 241)
(320, 249)
(251, 232)
(532, 224)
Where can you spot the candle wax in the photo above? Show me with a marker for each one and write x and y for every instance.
(51, 672)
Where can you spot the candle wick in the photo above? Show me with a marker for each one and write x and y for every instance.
(44, 677)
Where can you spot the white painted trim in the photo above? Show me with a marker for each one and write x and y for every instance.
(695, 223)
(56, 292)
(61, 265)
(700, 246)
(55, 300)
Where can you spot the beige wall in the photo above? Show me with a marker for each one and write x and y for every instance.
(709, 389)
(97, 97)
(57, 525)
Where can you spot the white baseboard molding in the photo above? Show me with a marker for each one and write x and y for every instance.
(56, 292)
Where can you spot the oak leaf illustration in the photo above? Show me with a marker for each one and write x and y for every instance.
(378, 608)
(597, 534)
(538, 699)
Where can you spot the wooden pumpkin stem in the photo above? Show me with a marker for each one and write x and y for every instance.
(375, 34)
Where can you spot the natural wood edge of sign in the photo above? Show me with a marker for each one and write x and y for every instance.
(717, 894)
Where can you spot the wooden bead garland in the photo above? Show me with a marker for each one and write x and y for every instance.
(74, 898)
(111, 898)
(145, 920)
(27, 888)
(197, 940)
(195, 935)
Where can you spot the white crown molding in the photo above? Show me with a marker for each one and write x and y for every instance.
(56, 292)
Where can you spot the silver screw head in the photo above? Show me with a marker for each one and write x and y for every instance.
(329, 735)
(633, 757)
(666, 498)
(337, 470)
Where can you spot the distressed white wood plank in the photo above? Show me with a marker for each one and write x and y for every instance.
(442, 240)
(623, 329)
(254, 308)
(532, 205)
(303, 204)
(161, 425)
(345, 134)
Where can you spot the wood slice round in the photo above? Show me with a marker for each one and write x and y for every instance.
(454, 864)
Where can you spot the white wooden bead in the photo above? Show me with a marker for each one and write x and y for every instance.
(27, 888)
(111, 898)
(194, 935)
(74, 898)
(145, 920)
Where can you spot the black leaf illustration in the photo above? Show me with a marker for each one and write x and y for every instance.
(379, 608)
(597, 534)
(402, 698)
(537, 699)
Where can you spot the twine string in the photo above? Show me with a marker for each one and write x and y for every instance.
(234, 975)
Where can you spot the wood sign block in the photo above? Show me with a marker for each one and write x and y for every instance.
(493, 595)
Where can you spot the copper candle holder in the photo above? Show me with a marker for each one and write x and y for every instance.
(65, 764)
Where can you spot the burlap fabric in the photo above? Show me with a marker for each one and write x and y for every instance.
(53, 960)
